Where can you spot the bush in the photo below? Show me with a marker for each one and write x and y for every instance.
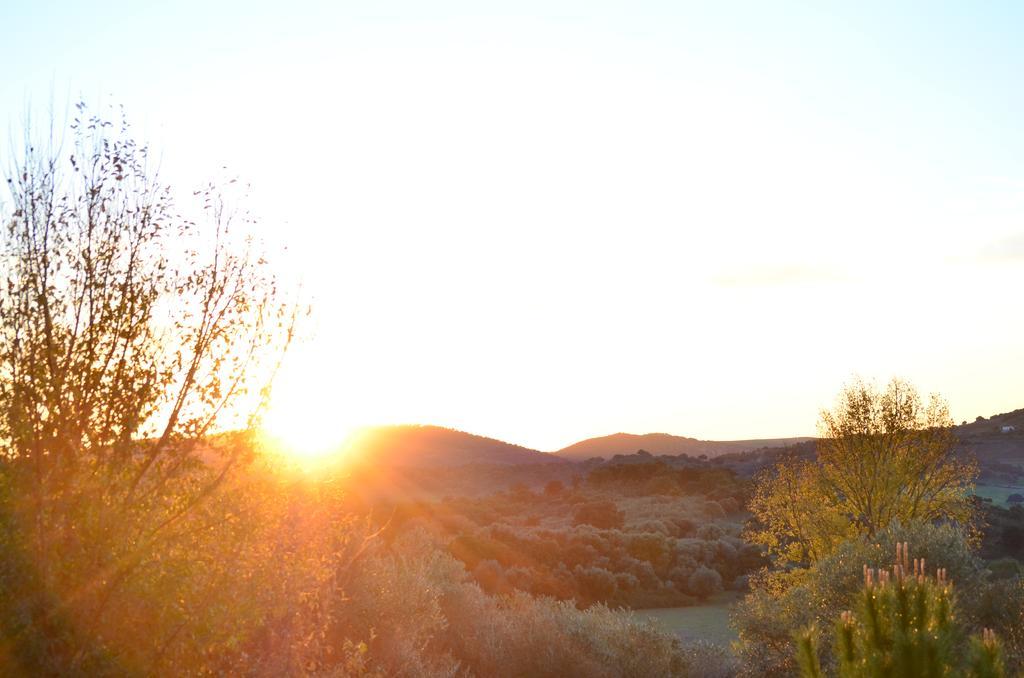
(597, 583)
(704, 582)
(710, 532)
(729, 504)
(904, 628)
(1004, 568)
(713, 509)
(554, 488)
(904, 624)
(708, 660)
(601, 514)
(781, 602)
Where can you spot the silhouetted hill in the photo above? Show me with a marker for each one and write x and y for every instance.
(606, 447)
(432, 446)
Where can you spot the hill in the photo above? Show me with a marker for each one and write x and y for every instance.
(607, 447)
(412, 446)
(987, 439)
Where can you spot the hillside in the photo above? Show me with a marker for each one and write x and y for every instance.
(985, 438)
(607, 447)
(414, 446)
(431, 446)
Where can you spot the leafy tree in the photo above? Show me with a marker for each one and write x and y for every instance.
(133, 339)
(883, 457)
(704, 582)
(554, 488)
(602, 514)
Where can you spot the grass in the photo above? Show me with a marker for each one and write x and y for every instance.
(709, 621)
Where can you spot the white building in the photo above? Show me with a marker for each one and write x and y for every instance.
(1008, 429)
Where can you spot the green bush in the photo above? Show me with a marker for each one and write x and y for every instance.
(904, 623)
(704, 582)
(418, 614)
(816, 596)
(600, 514)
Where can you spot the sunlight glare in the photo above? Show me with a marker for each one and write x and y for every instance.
(305, 437)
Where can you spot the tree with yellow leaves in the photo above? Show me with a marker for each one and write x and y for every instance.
(882, 457)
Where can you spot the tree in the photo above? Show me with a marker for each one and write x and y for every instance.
(602, 514)
(704, 582)
(554, 488)
(883, 457)
(136, 352)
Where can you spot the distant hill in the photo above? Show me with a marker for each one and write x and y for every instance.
(607, 447)
(985, 437)
(433, 446)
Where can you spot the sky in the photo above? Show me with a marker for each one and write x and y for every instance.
(547, 221)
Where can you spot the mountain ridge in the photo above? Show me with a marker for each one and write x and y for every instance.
(427, 445)
(606, 447)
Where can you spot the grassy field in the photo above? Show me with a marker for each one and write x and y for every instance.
(708, 622)
(998, 495)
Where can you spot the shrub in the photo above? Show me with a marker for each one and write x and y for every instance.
(684, 527)
(554, 488)
(904, 624)
(601, 514)
(708, 660)
(781, 602)
(650, 547)
(710, 532)
(704, 582)
(729, 504)
(1000, 606)
(1004, 568)
(713, 509)
(662, 485)
(489, 575)
(597, 583)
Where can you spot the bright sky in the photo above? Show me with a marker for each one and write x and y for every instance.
(547, 221)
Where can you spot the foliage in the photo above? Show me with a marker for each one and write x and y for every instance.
(132, 338)
(143, 534)
(704, 582)
(603, 514)
(1004, 531)
(648, 562)
(904, 624)
(709, 660)
(780, 602)
(986, 656)
(884, 456)
(668, 476)
(999, 605)
(425, 618)
(554, 488)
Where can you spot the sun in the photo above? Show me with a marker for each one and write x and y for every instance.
(302, 434)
